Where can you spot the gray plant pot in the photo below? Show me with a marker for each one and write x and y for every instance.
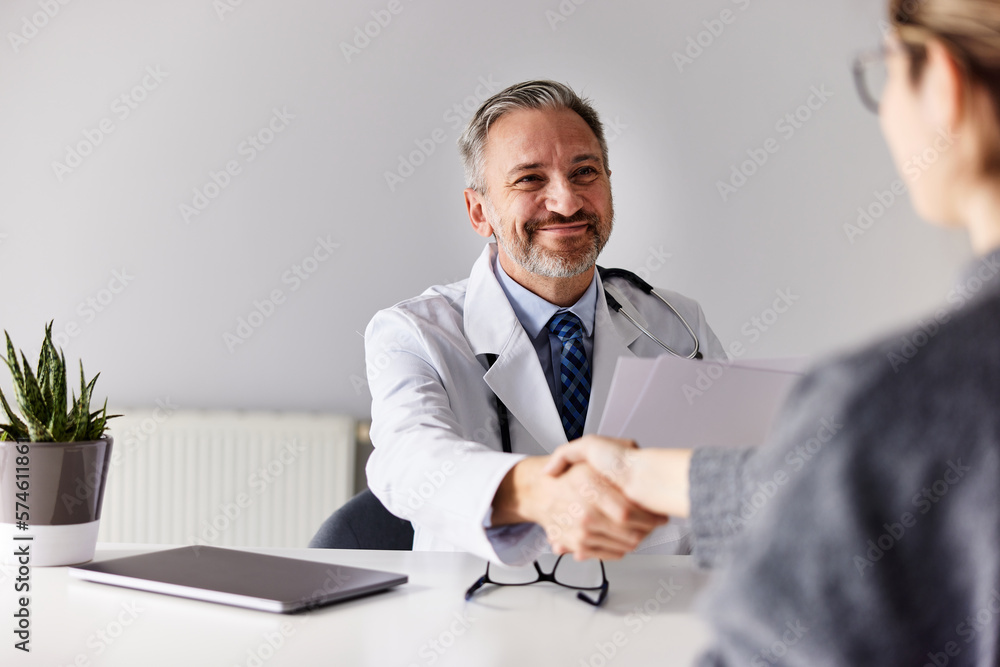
(65, 491)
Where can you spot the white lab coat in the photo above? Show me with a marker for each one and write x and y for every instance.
(438, 457)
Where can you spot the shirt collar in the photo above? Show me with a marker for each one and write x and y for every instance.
(534, 312)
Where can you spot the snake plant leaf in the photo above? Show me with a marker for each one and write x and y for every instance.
(71, 417)
(88, 391)
(73, 423)
(82, 427)
(33, 395)
(57, 382)
(11, 361)
(15, 423)
(37, 431)
(8, 432)
(82, 422)
(98, 422)
(45, 359)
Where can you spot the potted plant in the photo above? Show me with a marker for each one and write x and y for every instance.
(53, 463)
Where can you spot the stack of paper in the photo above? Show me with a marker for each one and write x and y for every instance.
(672, 402)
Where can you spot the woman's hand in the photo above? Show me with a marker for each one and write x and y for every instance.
(656, 479)
(611, 457)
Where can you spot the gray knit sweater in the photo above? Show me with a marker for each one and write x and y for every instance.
(867, 531)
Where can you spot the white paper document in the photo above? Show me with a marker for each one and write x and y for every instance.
(672, 402)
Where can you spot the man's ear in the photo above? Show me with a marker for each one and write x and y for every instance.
(942, 93)
(475, 204)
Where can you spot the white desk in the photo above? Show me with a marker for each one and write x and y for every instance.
(424, 622)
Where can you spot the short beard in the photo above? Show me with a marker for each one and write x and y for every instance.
(539, 261)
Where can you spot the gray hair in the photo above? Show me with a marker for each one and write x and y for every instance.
(526, 95)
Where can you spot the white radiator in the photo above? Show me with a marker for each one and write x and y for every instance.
(225, 478)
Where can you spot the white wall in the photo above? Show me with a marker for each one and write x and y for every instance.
(675, 134)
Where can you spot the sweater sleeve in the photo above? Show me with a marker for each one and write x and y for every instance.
(719, 482)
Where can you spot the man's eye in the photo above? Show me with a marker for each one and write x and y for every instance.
(586, 171)
(527, 179)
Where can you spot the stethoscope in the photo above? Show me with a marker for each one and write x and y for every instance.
(648, 289)
(614, 305)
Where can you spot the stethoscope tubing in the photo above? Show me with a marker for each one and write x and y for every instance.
(648, 289)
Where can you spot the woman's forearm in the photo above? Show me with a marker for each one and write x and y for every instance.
(657, 479)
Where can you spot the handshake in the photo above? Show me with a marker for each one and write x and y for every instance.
(596, 497)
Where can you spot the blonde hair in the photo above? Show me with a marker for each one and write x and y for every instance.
(970, 30)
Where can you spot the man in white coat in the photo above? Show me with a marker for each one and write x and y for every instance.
(530, 327)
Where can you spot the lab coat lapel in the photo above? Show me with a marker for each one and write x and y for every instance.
(492, 327)
(612, 336)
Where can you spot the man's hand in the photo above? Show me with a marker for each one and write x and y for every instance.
(656, 479)
(580, 510)
(612, 457)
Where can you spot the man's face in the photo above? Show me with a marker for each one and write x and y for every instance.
(548, 196)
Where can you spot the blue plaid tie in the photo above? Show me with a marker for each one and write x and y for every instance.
(574, 371)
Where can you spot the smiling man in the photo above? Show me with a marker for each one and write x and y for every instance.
(486, 377)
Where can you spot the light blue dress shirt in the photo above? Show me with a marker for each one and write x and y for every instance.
(534, 313)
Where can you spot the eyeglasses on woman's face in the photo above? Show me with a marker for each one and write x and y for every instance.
(870, 77)
(871, 72)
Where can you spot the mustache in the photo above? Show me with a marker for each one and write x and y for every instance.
(533, 225)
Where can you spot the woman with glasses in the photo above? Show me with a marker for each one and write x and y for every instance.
(867, 531)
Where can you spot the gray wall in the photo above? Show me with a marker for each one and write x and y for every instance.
(159, 330)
